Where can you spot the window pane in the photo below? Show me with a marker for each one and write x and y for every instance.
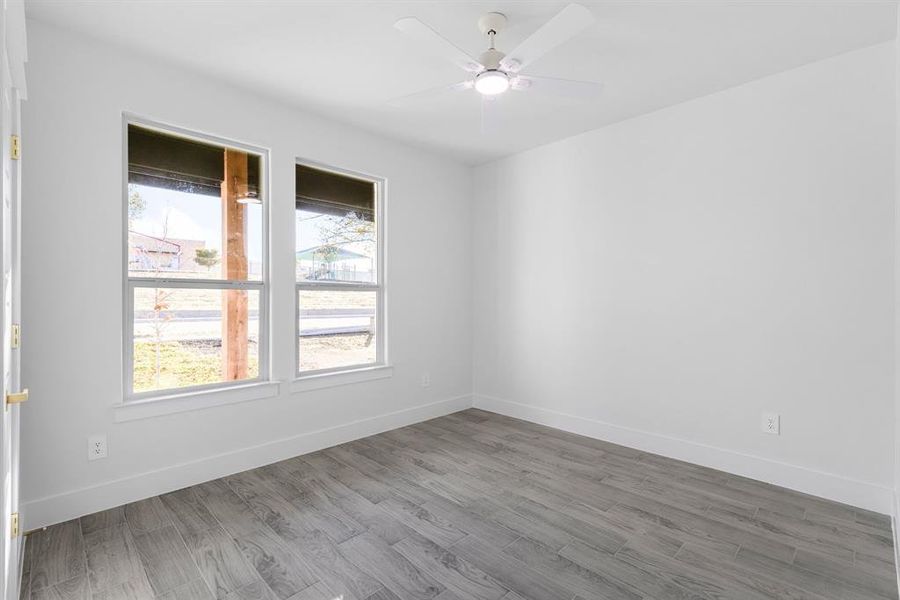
(178, 337)
(335, 227)
(182, 221)
(337, 329)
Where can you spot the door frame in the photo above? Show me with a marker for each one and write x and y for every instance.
(13, 56)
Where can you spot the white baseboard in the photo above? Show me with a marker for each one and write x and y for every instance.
(862, 494)
(69, 505)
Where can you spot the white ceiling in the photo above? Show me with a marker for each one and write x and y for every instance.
(345, 59)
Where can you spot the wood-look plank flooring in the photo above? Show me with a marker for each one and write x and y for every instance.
(470, 506)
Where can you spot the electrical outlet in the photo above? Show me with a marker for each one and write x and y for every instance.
(426, 379)
(97, 447)
(771, 423)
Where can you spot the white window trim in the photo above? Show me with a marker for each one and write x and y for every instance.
(186, 398)
(194, 400)
(342, 376)
(381, 368)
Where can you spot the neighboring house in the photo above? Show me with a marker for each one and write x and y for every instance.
(148, 253)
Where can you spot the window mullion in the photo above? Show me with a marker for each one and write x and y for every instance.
(202, 284)
(337, 287)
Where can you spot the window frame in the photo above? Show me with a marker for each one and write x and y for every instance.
(381, 348)
(131, 283)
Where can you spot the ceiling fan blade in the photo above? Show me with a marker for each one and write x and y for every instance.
(559, 87)
(437, 44)
(570, 21)
(430, 93)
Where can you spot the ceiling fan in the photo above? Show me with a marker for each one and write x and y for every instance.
(494, 72)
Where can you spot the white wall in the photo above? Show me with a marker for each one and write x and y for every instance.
(659, 282)
(663, 281)
(72, 307)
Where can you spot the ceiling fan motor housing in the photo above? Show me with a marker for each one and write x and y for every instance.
(491, 59)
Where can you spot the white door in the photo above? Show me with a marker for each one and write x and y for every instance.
(11, 83)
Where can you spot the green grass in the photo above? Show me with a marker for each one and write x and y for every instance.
(181, 365)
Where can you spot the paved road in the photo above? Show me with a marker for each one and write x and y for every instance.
(207, 324)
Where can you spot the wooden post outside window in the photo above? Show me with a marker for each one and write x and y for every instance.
(235, 311)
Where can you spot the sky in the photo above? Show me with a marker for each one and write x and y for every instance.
(193, 217)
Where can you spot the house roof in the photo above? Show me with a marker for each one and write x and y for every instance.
(331, 252)
(142, 241)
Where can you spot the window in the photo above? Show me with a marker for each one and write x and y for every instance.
(195, 291)
(338, 268)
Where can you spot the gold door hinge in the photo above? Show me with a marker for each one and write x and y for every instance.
(17, 398)
(15, 335)
(15, 149)
(14, 524)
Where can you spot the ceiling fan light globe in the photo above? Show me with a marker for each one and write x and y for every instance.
(492, 83)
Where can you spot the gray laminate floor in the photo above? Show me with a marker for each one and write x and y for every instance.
(472, 505)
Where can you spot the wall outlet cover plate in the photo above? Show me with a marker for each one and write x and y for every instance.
(771, 423)
(97, 447)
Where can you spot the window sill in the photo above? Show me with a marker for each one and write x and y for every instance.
(318, 381)
(176, 403)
